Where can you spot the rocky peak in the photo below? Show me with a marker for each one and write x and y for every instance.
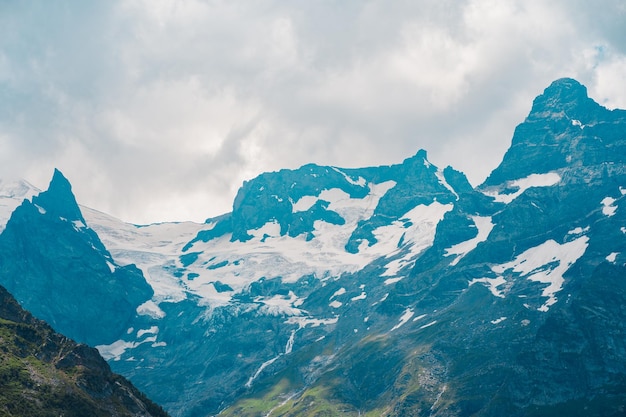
(564, 130)
(275, 196)
(71, 260)
(562, 95)
(272, 196)
(59, 200)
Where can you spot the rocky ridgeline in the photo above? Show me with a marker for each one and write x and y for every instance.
(391, 291)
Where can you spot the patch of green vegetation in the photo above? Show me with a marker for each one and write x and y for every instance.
(320, 401)
(262, 403)
(373, 378)
(33, 384)
(316, 401)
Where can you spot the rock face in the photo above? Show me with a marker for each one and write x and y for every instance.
(565, 129)
(59, 270)
(390, 291)
(43, 373)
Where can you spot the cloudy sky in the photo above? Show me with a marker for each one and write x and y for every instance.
(159, 109)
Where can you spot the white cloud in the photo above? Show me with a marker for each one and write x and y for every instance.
(158, 110)
(608, 82)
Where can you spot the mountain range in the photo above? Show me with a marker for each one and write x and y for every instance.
(395, 290)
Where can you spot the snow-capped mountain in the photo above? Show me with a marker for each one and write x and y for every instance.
(392, 290)
(12, 193)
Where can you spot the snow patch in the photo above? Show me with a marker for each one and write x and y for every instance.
(269, 229)
(340, 291)
(421, 316)
(546, 264)
(361, 296)
(578, 231)
(429, 324)
(305, 203)
(280, 305)
(442, 181)
(484, 226)
(154, 249)
(417, 237)
(492, 284)
(151, 330)
(288, 258)
(111, 266)
(335, 304)
(360, 182)
(78, 225)
(390, 281)
(408, 313)
(533, 180)
(303, 322)
(115, 350)
(150, 309)
(608, 209)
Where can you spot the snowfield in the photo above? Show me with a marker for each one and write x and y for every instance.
(221, 268)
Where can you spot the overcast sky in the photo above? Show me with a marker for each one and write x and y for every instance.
(158, 110)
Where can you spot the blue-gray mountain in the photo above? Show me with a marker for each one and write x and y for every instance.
(396, 290)
(58, 269)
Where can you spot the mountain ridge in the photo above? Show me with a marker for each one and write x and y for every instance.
(43, 373)
(394, 290)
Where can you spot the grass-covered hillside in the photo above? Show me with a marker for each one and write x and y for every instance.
(43, 373)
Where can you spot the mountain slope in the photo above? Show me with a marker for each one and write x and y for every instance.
(245, 299)
(58, 269)
(396, 290)
(513, 310)
(45, 374)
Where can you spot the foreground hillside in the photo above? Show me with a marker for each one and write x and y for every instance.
(45, 374)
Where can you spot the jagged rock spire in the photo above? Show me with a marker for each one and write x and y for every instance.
(59, 200)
